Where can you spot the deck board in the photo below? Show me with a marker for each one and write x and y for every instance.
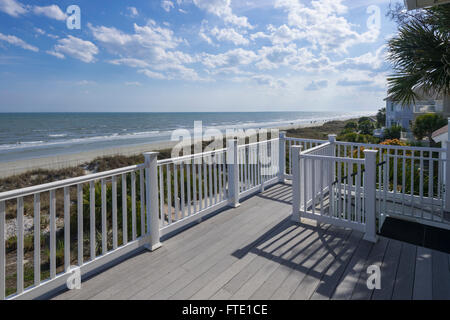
(376, 255)
(256, 252)
(423, 287)
(440, 275)
(352, 272)
(331, 277)
(308, 285)
(404, 281)
(388, 270)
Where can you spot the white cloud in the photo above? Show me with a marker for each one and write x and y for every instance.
(232, 58)
(203, 32)
(130, 62)
(366, 78)
(17, 42)
(86, 83)
(53, 36)
(53, 12)
(76, 48)
(39, 31)
(149, 36)
(15, 9)
(110, 35)
(317, 85)
(222, 9)
(167, 5)
(353, 83)
(132, 12)
(368, 60)
(228, 71)
(56, 54)
(269, 81)
(279, 55)
(323, 24)
(152, 74)
(151, 48)
(230, 35)
(133, 84)
(173, 71)
(280, 35)
(12, 7)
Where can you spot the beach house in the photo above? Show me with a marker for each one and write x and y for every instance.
(399, 114)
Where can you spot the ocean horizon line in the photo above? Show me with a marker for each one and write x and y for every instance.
(169, 112)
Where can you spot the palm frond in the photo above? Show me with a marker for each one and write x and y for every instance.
(420, 56)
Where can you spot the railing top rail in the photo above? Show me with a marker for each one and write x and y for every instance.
(8, 195)
(256, 143)
(330, 158)
(306, 140)
(190, 157)
(316, 148)
(386, 146)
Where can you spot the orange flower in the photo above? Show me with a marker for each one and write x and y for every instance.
(393, 142)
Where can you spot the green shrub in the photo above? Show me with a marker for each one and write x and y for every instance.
(393, 132)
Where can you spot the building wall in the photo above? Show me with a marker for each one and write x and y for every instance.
(398, 115)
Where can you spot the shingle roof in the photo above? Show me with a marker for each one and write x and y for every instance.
(440, 131)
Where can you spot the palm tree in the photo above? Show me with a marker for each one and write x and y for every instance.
(420, 54)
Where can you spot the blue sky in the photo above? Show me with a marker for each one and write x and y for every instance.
(194, 55)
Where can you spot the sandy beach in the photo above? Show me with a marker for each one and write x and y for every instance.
(12, 168)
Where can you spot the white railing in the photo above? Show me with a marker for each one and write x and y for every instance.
(191, 187)
(85, 222)
(89, 221)
(258, 166)
(410, 181)
(316, 178)
(286, 144)
(333, 189)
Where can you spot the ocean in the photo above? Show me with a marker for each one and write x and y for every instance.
(34, 135)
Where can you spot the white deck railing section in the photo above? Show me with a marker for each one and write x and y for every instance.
(290, 142)
(370, 182)
(90, 221)
(409, 180)
(190, 187)
(88, 241)
(326, 189)
(258, 166)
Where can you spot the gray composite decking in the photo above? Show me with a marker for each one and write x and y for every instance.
(256, 252)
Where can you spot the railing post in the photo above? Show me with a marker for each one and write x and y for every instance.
(152, 204)
(332, 140)
(262, 169)
(447, 178)
(282, 157)
(370, 195)
(233, 173)
(296, 151)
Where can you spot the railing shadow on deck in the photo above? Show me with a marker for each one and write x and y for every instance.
(299, 249)
(281, 193)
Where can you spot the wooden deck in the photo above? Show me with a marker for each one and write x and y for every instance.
(256, 252)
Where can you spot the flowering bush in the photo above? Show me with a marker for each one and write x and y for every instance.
(393, 142)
